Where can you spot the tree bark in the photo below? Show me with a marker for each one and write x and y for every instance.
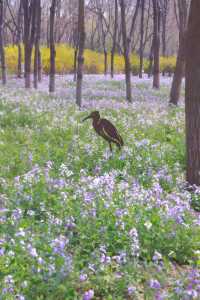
(126, 53)
(150, 67)
(81, 44)
(114, 40)
(2, 53)
(37, 42)
(165, 7)
(192, 99)
(19, 33)
(75, 63)
(105, 62)
(178, 73)
(29, 34)
(141, 38)
(180, 62)
(52, 48)
(156, 44)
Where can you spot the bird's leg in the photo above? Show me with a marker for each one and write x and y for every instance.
(119, 147)
(110, 146)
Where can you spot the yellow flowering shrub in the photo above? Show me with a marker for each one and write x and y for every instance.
(93, 61)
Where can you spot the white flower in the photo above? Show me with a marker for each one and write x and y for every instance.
(148, 225)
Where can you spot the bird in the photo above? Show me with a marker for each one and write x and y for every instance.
(105, 129)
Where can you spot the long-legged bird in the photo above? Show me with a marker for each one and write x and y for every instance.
(105, 129)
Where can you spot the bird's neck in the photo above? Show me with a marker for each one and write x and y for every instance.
(96, 121)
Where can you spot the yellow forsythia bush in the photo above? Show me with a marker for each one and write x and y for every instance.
(93, 61)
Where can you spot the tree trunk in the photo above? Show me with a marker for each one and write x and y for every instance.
(19, 32)
(164, 26)
(19, 63)
(39, 66)
(75, 63)
(29, 35)
(126, 52)
(2, 53)
(141, 39)
(178, 74)
(192, 100)
(114, 40)
(156, 44)
(150, 67)
(52, 48)
(105, 62)
(37, 41)
(81, 43)
(180, 62)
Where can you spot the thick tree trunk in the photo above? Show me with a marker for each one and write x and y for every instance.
(156, 44)
(52, 48)
(192, 100)
(2, 53)
(126, 53)
(178, 74)
(81, 43)
(141, 38)
(114, 40)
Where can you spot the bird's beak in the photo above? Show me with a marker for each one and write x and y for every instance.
(88, 117)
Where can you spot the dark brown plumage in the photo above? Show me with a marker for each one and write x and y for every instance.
(105, 129)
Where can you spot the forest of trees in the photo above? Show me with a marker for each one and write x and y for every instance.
(123, 27)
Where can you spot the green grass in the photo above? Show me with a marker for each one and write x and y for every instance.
(81, 210)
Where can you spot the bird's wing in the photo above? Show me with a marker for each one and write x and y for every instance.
(111, 132)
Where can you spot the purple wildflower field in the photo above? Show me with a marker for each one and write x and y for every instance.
(78, 222)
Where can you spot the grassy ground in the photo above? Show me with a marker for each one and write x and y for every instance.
(79, 223)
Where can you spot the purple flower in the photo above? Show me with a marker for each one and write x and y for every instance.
(131, 290)
(1, 251)
(154, 284)
(83, 277)
(88, 197)
(88, 295)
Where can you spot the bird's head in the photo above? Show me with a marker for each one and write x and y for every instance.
(95, 115)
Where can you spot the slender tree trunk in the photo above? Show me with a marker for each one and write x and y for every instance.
(29, 35)
(192, 100)
(19, 62)
(75, 63)
(37, 41)
(39, 51)
(2, 53)
(19, 32)
(114, 40)
(180, 62)
(105, 62)
(126, 52)
(179, 73)
(52, 48)
(150, 61)
(141, 38)
(156, 44)
(164, 25)
(81, 43)
(39, 66)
